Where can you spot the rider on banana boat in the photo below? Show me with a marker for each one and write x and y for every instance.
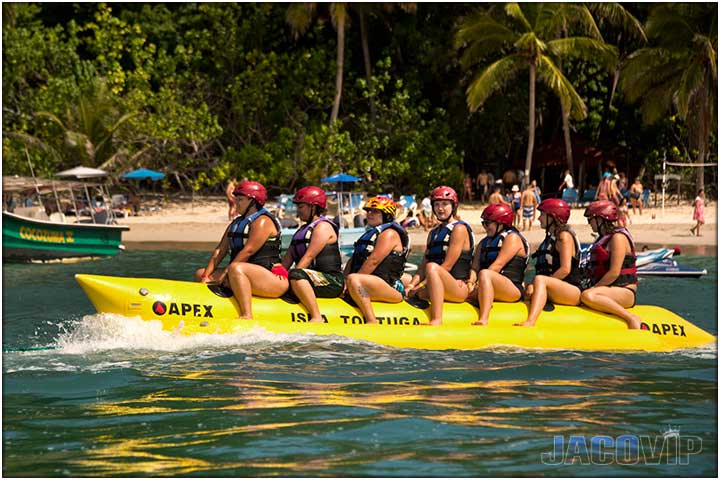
(444, 272)
(612, 265)
(375, 270)
(557, 262)
(253, 241)
(500, 261)
(315, 252)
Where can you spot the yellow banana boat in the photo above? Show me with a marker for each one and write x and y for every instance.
(190, 308)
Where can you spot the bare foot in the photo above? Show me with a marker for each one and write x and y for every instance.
(634, 323)
(692, 230)
(245, 318)
(371, 322)
(526, 323)
(480, 322)
(317, 320)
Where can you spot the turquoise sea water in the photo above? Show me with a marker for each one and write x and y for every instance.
(108, 396)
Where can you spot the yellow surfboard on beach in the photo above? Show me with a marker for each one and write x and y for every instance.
(191, 308)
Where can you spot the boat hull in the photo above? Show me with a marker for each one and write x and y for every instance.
(26, 240)
(193, 308)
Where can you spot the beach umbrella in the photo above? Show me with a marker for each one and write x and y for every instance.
(341, 178)
(82, 172)
(143, 174)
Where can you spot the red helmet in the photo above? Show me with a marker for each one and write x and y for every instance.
(444, 193)
(603, 209)
(253, 190)
(312, 196)
(383, 204)
(556, 207)
(500, 213)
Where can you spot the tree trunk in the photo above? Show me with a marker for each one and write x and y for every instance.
(568, 140)
(531, 124)
(339, 75)
(702, 136)
(366, 58)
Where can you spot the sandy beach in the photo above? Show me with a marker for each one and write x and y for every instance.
(200, 223)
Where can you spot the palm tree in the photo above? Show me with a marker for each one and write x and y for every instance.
(89, 127)
(678, 71)
(527, 36)
(300, 15)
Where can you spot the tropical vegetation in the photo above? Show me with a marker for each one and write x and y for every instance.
(403, 95)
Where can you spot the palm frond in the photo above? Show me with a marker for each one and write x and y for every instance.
(645, 68)
(656, 103)
(482, 30)
(573, 18)
(667, 27)
(551, 76)
(706, 49)
(52, 117)
(530, 45)
(585, 48)
(514, 11)
(493, 78)
(299, 16)
(616, 15)
(692, 80)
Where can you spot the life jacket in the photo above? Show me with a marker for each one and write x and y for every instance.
(328, 260)
(547, 258)
(490, 248)
(600, 260)
(392, 267)
(437, 246)
(239, 232)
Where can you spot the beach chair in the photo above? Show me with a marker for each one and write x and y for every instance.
(646, 197)
(570, 195)
(588, 196)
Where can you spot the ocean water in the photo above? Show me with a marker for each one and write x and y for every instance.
(86, 394)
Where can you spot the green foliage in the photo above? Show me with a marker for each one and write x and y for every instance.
(210, 91)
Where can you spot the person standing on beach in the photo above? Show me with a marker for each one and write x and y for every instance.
(496, 196)
(612, 265)
(232, 206)
(482, 186)
(604, 190)
(253, 241)
(698, 212)
(315, 252)
(516, 200)
(467, 188)
(528, 204)
(636, 191)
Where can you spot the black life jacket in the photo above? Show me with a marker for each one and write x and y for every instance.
(437, 247)
(600, 260)
(392, 267)
(328, 260)
(547, 258)
(490, 248)
(239, 232)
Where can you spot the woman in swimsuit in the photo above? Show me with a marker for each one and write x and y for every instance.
(612, 265)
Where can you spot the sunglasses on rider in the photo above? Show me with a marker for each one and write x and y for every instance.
(486, 223)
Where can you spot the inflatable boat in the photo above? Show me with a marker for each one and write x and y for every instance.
(194, 308)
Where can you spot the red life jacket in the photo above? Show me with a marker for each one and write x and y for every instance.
(600, 260)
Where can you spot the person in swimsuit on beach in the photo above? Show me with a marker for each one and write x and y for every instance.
(698, 212)
(232, 206)
(636, 191)
(444, 272)
(377, 264)
(612, 265)
(528, 203)
(499, 263)
(253, 241)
